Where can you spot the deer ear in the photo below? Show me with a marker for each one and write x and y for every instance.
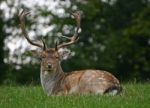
(65, 53)
(33, 53)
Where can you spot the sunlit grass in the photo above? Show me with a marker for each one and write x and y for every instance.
(133, 96)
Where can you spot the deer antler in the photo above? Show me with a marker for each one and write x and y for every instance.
(75, 37)
(22, 16)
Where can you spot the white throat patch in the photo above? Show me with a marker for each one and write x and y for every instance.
(46, 73)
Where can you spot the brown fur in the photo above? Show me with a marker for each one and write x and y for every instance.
(77, 82)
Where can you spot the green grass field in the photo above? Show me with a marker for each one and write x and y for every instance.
(133, 96)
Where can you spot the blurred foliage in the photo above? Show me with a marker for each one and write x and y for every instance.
(115, 37)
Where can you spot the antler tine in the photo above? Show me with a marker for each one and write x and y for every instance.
(75, 37)
(22, 16)
(77, 16)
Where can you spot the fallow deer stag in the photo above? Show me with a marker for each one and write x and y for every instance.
(56, 82)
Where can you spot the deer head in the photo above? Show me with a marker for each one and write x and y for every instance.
(50, 56)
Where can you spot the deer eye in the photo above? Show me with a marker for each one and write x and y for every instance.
(43, 56)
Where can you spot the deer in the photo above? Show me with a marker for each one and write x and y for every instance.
(55, 81)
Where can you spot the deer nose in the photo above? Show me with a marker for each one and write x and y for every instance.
(49, 66)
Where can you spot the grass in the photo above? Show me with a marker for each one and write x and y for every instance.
(133, 96)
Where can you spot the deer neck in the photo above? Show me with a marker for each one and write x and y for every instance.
(50, 78)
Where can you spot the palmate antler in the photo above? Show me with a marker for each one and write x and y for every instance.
(22, 16)
(75, 37)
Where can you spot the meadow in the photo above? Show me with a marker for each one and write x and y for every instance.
(134, 95)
